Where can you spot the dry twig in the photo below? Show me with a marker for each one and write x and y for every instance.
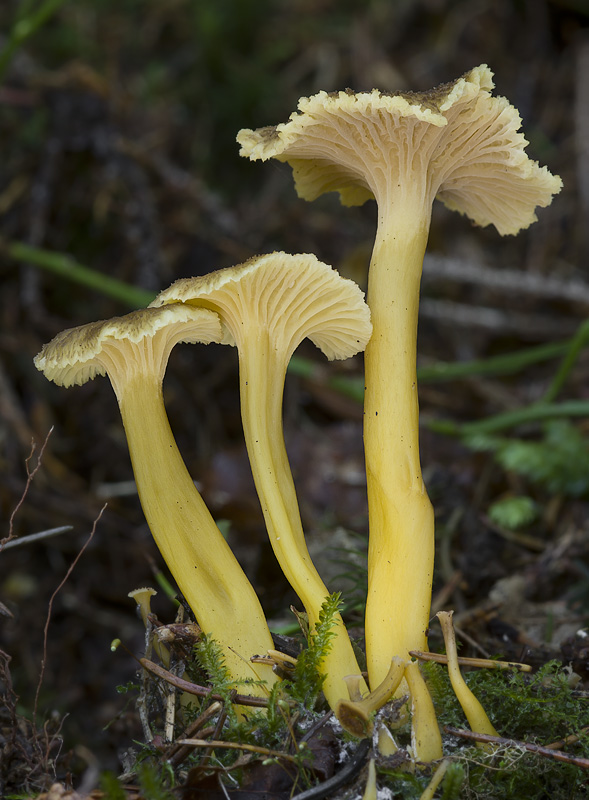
(501, 741)
(199, 691)
(210, 744)
(50, 606)
(30, 476)
(483, 663)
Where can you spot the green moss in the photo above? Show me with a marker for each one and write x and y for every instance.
(453, 781)
(290, 702)
(307, 680)
(155, 782)
(540, 708)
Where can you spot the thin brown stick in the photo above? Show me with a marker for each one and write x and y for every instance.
(50, 607)
(206, 756)
(176, 753)
(30, 475)
(316, 727)
(572, 739)
(250, 748)
(462, 634)
(486, 738)
(446, 592)
(199, 691)
(531, 283)
(484, 663)
(19, 541)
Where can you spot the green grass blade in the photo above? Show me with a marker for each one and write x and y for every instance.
(66, 267)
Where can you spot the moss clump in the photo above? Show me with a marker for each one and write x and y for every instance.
(542, 708)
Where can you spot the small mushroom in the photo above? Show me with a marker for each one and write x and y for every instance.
(426, 740)
(355, 714)
(475, 713)
(268, 306)
(133, 351)
(458, 143)
(143, 597)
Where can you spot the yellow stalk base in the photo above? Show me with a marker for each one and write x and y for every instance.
(401, 543)
(426, 740)
(262, 375)
(192, 546)
(475, 713)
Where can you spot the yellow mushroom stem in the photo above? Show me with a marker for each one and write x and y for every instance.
(426, 740)
(437, 777)
(401, 542)
(262, 372)
(355, 684)
(202, 563)
(354, 715)
(475, 713)
(370, 792)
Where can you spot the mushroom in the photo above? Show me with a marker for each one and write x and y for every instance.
(268, 305)
(458, 143)
(142, 597)
(475, 713)
(426, 740)
(133, 351)
(355, 714)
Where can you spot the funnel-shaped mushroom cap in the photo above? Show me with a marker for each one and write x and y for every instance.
(142, 595)
(456, 142)
(291, 296)
(79, 354)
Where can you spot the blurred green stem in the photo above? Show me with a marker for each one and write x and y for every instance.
(442, 371)
(67, 267)
(27, 23)
(574, 348)
(505, 364)
(536, 412)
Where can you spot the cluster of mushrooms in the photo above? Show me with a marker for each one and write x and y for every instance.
(457, 143)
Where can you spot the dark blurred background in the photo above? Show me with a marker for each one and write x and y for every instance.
(117, 123)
